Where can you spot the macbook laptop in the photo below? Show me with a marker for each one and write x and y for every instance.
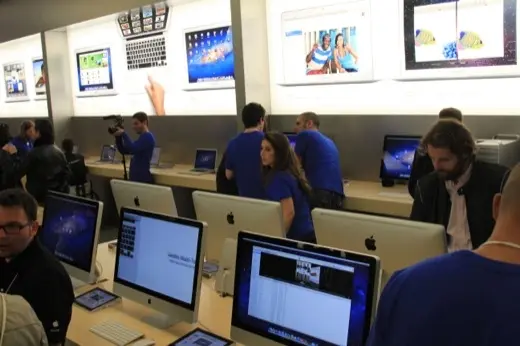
(155, 162)
(108, 152)
(205, 161)
(144, 30)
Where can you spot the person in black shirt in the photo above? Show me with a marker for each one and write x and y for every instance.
(27, 269)
(77, 166)
(422, 164)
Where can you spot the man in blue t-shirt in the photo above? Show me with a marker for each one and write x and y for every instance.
(463, 298)
(243, 161)
(25, 140)
(320, 160)
(141, 150)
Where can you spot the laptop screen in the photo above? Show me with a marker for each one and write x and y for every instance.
(144, 20)
(108, 153)
(156, 155)
(205, 159)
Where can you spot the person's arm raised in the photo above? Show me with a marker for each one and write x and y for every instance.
(156, 93)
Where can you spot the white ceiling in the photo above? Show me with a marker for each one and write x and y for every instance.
(20, 18)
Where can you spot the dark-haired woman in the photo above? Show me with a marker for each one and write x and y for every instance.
(285, 183)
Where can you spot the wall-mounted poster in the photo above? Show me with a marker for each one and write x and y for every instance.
(210, 58)
(39, 78)
(15, 82)
(460, 38)
(329, 44)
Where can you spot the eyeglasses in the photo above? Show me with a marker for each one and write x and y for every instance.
(13, 228)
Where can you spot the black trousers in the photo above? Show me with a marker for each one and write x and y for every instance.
(327, 200)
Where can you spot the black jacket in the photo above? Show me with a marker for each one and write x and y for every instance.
(8, 175)
(224, 185)
(422, 165)
(78, 169)
(432, 202)
(46, 169)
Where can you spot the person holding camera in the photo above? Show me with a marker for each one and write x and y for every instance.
(141, 149)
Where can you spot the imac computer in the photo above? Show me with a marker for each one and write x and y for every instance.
(399, 243)
(155, 198)
(398, 155)
(159, 264)
(290, 293)
(227, 215)
(70, 230)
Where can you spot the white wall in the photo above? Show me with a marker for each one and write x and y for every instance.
(104, 32)
(23, 50)
(476, 97)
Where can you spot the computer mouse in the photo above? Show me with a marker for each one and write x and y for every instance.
(144, 342)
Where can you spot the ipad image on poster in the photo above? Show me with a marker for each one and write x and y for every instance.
(210, 60)
(39, 79)
(448, 39)
(327, 45)
(200, 337)
(94, 72)
(95, 299)
(15, 82)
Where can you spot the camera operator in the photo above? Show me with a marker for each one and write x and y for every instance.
(141, 150)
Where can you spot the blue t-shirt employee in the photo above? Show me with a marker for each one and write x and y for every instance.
(24, 141)
(141, 150)
(319, 158)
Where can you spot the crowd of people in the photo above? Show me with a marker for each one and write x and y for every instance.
(462, 298)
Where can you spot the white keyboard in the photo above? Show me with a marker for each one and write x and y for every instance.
(394, 194)
(116, 333)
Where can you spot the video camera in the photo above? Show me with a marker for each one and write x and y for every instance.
(118, 123)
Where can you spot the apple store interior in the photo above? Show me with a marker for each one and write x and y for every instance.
(376, 73)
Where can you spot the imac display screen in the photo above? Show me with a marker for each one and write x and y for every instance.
(209, 54)
(205, 159)
(398, 156)
(332, 40)
(158, 257)
(145, 20)
(69, 230)
(459, 33)
(15, 81)
(273, 280)
(39, 77)
(95, 70)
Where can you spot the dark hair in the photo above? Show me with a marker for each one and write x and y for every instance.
(284, 160)
(336, 40)
(450, 113)
(13, 198)
(252, 114)
(311, 116)
(140, 116)
(67, 145)
(452, 135)
(24, 126)
(5, 134)
(46, 132)
(323, 37)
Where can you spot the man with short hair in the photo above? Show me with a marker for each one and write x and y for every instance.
(141, 150)
(31, 271)
(463, 298)
(459, 193)
(319, 58)
(243, 161)
(24, 142)
(320, 160)
(422, 164)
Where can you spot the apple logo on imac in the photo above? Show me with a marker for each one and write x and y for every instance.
(136, 201)
(370, 244)
(230, 218)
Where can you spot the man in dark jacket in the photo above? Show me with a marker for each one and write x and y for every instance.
(459, 193)
(422, 164)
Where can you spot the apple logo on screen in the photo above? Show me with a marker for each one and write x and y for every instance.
(136, 201)
(370, 244)
(230, 218)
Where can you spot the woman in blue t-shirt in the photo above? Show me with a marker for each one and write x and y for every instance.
(285, 183)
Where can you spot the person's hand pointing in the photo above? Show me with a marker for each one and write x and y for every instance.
(156, 93)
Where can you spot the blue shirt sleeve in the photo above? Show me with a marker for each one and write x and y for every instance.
(230, 157)
(278, 188)
(379, 334)
(143, 143)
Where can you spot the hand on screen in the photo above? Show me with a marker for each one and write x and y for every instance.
(11, 149)
(156, 93)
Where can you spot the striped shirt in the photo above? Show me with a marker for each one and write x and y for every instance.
(319, 58)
